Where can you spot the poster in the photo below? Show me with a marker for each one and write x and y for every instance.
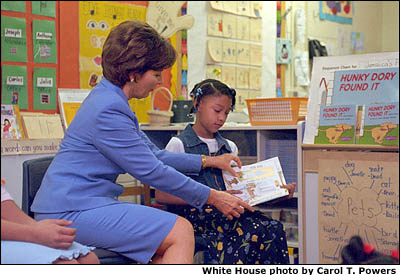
(283, 51)
(13, 39)
(357, 198)
(357, 42)
(14, 86)
(375, 74)
(44, 41)
(96, 19)
(336, 11)
(45, 8)
(44, 89)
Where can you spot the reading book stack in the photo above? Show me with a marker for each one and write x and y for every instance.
(259, 182)
(11, 127)
(380, 124)
(337, 124)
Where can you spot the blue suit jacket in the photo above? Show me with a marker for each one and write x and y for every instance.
(103, 141)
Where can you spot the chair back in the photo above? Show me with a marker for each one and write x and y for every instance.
(33, 173)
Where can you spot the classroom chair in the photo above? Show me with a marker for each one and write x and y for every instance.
(33, 173)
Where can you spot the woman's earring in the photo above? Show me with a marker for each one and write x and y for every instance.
(133, 79)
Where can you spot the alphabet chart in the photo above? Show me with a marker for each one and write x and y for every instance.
(357, 198)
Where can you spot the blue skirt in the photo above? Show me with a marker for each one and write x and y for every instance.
(133, 230)
(14, 252)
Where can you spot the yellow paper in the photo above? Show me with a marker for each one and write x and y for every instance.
(243, 28)
(243, 53)
(215, 50)
(255, 55)
(256, 29)
(228, 51)
(229, 25)
(96, 19)
(229, 76)
(255, 79)
(242, 78)
(43, 126)
(214, 24)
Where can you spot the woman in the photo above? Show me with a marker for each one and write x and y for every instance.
(104, 140)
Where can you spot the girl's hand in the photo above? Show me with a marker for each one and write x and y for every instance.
(290, 187)
(223, 162)
(228, 204)
(54, 233)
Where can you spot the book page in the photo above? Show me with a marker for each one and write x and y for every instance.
(259, 182)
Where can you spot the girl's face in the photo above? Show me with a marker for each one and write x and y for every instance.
(143, 85)
(211, 115)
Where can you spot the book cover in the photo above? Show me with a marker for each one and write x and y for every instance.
(11, 127)
(259, 182)
(337, 124)
(380, 124)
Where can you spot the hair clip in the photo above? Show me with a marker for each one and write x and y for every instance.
(368, 249)
(198, 92)
(233, 92)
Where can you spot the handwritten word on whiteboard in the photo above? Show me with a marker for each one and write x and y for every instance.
(357, 198)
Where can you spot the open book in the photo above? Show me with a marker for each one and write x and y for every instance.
(259, 182)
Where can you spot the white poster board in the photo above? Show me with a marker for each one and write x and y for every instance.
(323, 82)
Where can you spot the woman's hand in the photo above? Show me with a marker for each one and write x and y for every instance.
(228, 204)
(54, 233)
(223, 162)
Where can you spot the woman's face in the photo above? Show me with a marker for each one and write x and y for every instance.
(143, 85)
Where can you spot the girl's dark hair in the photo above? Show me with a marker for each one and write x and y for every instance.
(211, 87)
(354, 253)
(134, 47)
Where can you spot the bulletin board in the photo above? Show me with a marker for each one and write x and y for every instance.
(29, 55)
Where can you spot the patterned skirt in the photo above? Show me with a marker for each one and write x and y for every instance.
(254, 238)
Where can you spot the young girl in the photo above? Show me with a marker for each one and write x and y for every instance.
(253, 238)
(26, 241)
(358, 252)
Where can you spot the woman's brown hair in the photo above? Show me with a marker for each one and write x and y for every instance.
(134, 47)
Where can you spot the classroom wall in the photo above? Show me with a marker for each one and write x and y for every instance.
(197, 45)
(378, 20)
(390, 26)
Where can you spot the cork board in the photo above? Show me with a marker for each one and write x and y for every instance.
(357, 197)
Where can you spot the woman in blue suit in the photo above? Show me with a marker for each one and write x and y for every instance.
(104, 140)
